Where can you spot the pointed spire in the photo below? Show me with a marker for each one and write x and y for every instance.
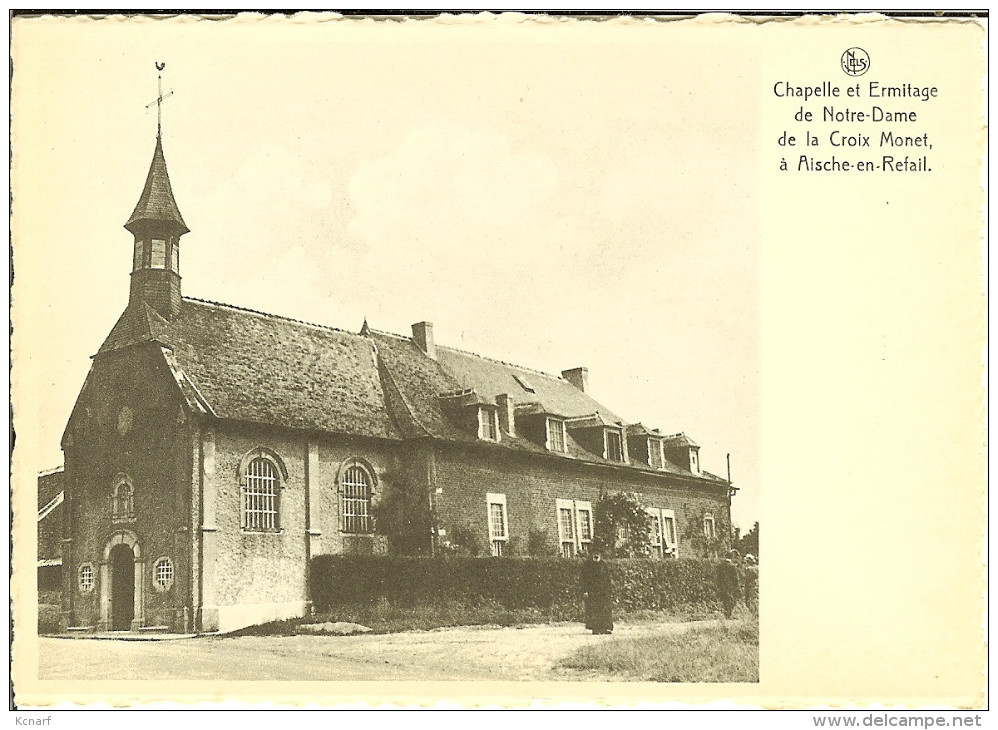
(157, 204)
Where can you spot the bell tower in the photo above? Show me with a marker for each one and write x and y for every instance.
(156, 225)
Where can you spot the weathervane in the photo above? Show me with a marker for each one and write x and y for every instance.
(160, 98)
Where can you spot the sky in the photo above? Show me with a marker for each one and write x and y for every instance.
(545, 198)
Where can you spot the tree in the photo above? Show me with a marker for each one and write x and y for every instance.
(403, 514)
(749, 542)
(623, 528)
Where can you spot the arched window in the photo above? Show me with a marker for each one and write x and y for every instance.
(122, 500)
(261, 488)
(356, 486)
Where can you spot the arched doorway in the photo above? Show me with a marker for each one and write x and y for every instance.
(122, 587)
(122, 607)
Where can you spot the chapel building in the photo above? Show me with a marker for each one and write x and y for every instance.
(214, 450)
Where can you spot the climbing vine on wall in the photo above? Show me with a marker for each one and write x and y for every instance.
(623, 528)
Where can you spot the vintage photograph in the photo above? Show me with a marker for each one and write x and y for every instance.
(371, 349)
(293, 409)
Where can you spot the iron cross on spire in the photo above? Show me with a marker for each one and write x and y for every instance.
(160, 98)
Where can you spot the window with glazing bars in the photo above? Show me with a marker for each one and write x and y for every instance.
(497, 524)
(556, 435)
(708, 527)
(123, 504)
(566, 532)
(164, 573)
(260, 496)
(585, 528)
(614, 448)
(497, 528)
(356, 500)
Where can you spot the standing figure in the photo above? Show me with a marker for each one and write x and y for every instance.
(597, 592)
(729, 582)
(751, 582)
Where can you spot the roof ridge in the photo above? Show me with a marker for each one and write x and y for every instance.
(535, 371)
(389, 334)
(271, 315)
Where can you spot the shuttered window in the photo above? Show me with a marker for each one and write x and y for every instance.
(614, 447)
(158, 260)
(556, 435)
(663, 533)
(655, 458)
(137, 258)
(488, 424)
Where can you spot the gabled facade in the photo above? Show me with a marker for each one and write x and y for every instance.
(213, 450)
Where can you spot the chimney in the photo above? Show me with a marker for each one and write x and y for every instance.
(579, 377)
(422, 335)
(507, 419)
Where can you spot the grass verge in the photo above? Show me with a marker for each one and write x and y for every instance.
(728, 652)
(386, 617)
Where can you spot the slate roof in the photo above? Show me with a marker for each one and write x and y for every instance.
(49, 486)
(157, 202)
(489, 378)
(680, 439)
(420, 381)
(239, 364)
(244, 365)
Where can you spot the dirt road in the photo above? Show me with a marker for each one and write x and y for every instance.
(465, 653)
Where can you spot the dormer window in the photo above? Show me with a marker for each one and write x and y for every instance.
(656, 459)
(556, 440)
(613, 446)
(488, 424)
(694, 462)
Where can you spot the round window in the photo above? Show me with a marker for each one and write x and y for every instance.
(162, 574)
(86, 578)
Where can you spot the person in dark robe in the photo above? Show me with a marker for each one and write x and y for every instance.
(729, 582)
(597, 592)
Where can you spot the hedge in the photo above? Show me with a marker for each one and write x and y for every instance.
(550, 585)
